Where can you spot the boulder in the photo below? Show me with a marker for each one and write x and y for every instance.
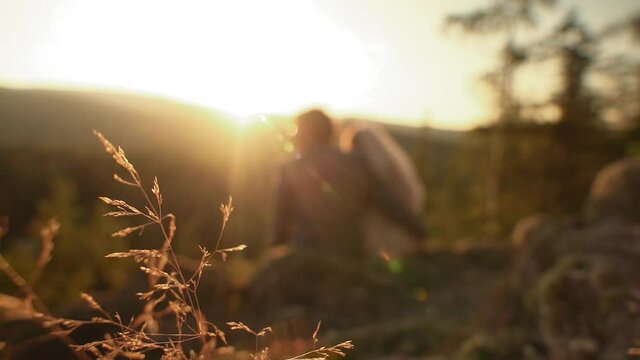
(616, 191)
(576, 276)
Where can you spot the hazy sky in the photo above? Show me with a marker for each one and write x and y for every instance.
(388, 59)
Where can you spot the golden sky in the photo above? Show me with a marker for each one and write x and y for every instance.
(385, 59)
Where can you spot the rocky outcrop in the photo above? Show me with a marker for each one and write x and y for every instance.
(580, 275)
(577, 278)
(616, 191)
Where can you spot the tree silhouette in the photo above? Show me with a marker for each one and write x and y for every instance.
(622, 70)
(502, 18)
(580, 140)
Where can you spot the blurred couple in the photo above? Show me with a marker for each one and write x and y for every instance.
(353, 200)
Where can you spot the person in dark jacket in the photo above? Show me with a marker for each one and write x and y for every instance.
(323, 194)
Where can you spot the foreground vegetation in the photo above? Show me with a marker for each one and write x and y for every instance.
(171, 293)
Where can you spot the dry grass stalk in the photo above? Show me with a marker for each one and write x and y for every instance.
(170, 292)
(4, 226)
(31, 300)
(47, 234)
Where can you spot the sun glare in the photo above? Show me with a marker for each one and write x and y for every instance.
(244, 57)
(247, 120)
(252, 56)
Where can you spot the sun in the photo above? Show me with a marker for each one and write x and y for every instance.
(248, 56)
(244, 57)
(247, 120)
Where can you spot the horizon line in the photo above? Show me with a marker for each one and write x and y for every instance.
(336, 114)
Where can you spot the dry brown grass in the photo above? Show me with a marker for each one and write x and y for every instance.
(171, 292)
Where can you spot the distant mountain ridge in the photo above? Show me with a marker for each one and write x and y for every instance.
(65, 119)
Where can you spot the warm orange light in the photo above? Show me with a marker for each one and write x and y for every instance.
(380, 59)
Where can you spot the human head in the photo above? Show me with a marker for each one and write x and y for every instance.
(314, 128)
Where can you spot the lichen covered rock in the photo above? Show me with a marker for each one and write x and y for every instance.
(577, 277)
(616, 191)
